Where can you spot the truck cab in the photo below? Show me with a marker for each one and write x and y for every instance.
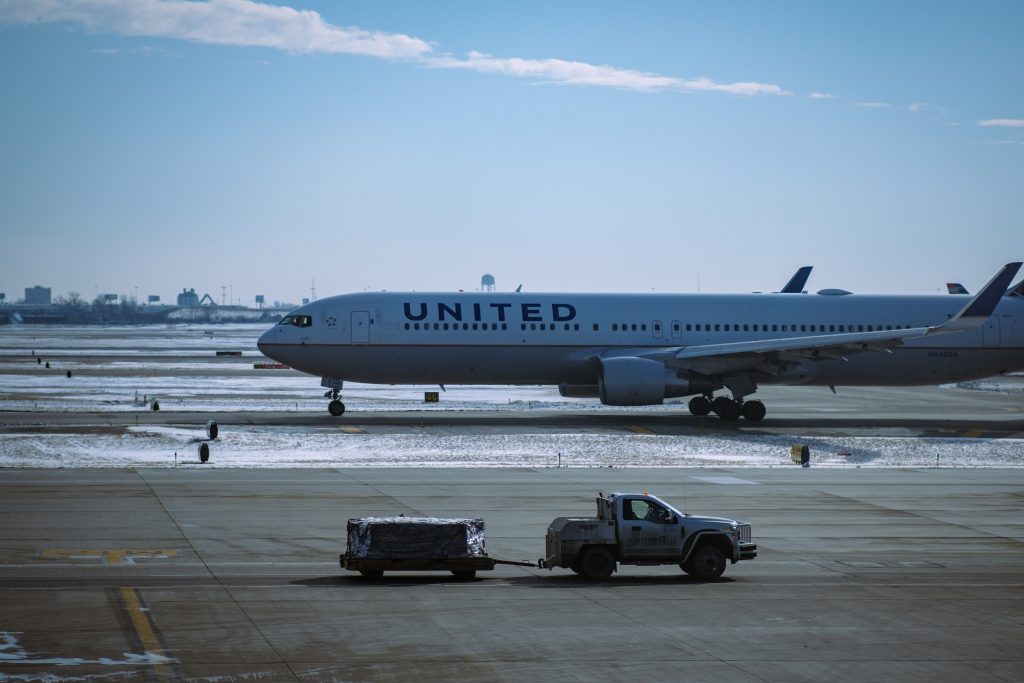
(641, 529)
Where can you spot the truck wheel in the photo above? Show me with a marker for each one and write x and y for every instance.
(464, 574)
(707, 562)
(372, 573)
(597, 563)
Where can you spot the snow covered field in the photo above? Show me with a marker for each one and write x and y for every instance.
(114, 368)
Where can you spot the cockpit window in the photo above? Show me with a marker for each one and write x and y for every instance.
(297, 320)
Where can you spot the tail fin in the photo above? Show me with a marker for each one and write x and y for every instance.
(956, 288)
(979, 308)
(797, 282)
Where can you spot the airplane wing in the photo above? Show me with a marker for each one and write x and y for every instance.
(738, 356)
(797, 282)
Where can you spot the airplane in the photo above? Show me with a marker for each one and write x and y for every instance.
(957, 288)
(640, 349)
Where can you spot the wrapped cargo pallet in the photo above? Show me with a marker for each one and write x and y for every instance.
(395, 538)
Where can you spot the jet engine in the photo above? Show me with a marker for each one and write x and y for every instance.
(645, 382)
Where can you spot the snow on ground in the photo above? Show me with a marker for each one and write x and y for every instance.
(155, 446)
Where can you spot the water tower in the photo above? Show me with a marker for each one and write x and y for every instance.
(487, 283)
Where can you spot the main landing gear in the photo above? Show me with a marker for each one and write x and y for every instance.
(335, 407)
(727, 408)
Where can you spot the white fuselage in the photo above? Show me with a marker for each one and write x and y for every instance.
(501, 338)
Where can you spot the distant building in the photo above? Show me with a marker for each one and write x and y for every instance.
(487, 283)
(38, 295)
(188, 298)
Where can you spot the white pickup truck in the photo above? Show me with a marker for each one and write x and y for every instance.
(640, 529)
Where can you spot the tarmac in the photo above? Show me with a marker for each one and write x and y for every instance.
(232, 575)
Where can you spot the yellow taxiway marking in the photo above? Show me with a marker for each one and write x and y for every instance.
(352, 430)
(126, 556)
(639, 430)
(144, 628)
(974, 433)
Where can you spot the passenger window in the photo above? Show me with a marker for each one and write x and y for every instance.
(803, 328)
(416, 326)
(746, 328)
(446, 326)
(775, 328)
(407, 326)
(784, 328)
(643, 328)
(596, 327)
(634, 327)
(727, 327)
(576, 327)
(615, 327)
(688, 327)
(533, 326)
(718, 327)
(522, 326)
(831, 328)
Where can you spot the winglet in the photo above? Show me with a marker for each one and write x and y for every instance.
(978, 309)
(797, 282)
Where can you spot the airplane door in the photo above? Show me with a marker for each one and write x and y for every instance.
(360, 327)
(990, 332)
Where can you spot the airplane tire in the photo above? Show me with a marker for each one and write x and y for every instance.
(754, 411)
(336, 408)
(699, 406)
(726, 408)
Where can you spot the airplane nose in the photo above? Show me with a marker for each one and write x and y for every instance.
(265, 341)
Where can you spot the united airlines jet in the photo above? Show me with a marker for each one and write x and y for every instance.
(639, 349)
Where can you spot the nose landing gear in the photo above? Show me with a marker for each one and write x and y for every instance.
(335, 407)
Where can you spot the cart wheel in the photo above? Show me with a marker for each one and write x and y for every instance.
(464, 574)
(372, 573)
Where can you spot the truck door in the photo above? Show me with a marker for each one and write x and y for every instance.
(648, 530)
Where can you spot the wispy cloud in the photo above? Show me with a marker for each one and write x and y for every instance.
(917, 106)
(821, 96)
(255, 24)
(871, 105)
(560, 71)
(217, 22)
(1005, 123)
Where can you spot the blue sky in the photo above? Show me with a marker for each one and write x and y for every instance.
(574, 146)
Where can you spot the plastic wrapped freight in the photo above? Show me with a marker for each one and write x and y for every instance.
(393, 538)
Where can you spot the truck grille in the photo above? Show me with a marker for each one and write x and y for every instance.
(744, 532)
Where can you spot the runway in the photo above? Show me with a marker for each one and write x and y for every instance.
(231, 575)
